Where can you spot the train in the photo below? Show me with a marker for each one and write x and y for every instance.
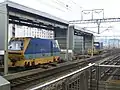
(97, 48)
(27, 51)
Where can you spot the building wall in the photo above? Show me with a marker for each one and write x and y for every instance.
(71, 37)
(79, 41)
(78, 44)
(88, 43)
(25, 31)
(61, 36)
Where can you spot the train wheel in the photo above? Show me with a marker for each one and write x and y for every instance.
(25, 64)
(54, 60)
(33, 63)
(13, 63)
(49, 62)
(58, 60)
(28, 64)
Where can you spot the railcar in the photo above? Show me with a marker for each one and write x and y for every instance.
(29, 51)
(96, 49)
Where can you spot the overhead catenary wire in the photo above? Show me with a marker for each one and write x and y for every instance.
(63, 4)
(49, 5)
(67, 4)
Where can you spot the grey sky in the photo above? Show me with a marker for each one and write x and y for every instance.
(74, 7)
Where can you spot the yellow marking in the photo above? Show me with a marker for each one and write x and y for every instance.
(115, 81)
(15, 56)
(26, 42)
(37, 61)
(15, 51)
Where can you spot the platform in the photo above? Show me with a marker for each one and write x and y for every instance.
(4, 84)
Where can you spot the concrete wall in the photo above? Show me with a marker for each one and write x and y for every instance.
(79, 41)
(78, 44)
(61, 36)
(88, 43)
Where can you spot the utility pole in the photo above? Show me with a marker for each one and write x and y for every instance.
(92, 46)
(67, 46)
(92, 12)
(98, 23)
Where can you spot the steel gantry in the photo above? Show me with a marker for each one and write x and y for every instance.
(98, 21)
(105, 20)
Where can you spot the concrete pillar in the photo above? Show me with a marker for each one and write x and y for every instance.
(67, 54)
(83, 44)
(92, 45)
(6, 22)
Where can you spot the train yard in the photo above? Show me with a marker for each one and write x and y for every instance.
(102, 76)
(25, 79)
(39, 51)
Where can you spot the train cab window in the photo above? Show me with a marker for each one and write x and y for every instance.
(15, 45)
(22, 44)
(21, 47)
(10, 46)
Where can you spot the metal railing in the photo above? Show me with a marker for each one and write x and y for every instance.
(72, 81)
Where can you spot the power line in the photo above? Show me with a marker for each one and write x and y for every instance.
(97, 27)
(52, 6)
(66, 6)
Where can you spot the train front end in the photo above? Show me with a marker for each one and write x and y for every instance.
(16, 50)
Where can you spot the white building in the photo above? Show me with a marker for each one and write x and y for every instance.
(25, 31)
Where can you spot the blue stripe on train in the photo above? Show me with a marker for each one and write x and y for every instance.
(40, 55)
(37, 45)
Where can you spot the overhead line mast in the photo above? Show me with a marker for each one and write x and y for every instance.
(93, 20)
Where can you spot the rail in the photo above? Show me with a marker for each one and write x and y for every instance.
(63, 77)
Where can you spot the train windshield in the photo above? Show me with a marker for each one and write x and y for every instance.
(15, 45)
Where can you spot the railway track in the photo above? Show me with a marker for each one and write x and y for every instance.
(105, 62)
(109, 71)
(22, 80)
(21, 83)
(105, 73)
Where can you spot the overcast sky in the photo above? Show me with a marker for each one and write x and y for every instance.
(71, 10)
(63, 7)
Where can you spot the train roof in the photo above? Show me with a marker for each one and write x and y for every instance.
(20, 38)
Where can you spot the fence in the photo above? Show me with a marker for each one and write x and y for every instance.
(77, 80)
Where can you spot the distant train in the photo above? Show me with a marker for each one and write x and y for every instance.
(97, 49)
(27, 51)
